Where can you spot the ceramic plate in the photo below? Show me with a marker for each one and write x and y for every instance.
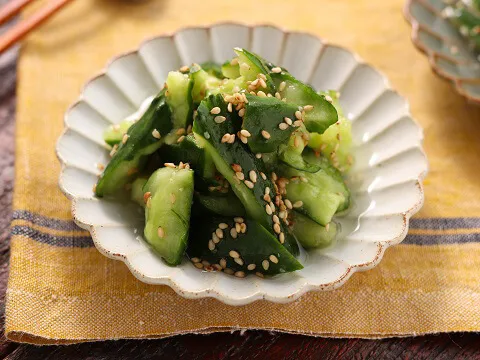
(386, 180)
(447, 50)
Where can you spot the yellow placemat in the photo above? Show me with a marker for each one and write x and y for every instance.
(62, 290)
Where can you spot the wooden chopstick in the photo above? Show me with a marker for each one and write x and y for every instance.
(20, 30)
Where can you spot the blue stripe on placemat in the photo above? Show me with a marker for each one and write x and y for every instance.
(57, 224)
(443, 239)
(62, 241)
(444, 223)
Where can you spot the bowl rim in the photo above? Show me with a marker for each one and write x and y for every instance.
(257, 295)
(433, 55)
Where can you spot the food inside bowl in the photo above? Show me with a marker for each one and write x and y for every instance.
(465, 16)
(238, 166)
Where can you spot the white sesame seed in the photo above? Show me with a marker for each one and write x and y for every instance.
(273, 259)
(195, 260)
(223, 263)
(288, 203)
(160, 232)
(274, 176)
(266, 134)
(222, 226)
(205, 263)
(254, 83)
(173, 198)
(215, 238)
(231, 139)
(233, 233)
(219, 233)
(262, 76)
(251, 267)
(217, 267)
(240, 175)
(308, 108)
(170, 165)
(219, 119)
(267, 190)
(253, 176)
(276, 70)
(276, 228)
(180, 131)
(228, 271)
(240, 274)
(249, 184)
(303, 179)
(180, 139)
(125, 138)
(327, 227)
(276, 219)
(225, 138)
(233, 254)
(298, 115)
(241, 112)
(298, 204)
(184, 68)
(272, 206)
(282, 214)
(229, 107)
(282, 86)
(259, 274)
(211, 245)
(238, 227)
(283, 126)
(198, 265)
(278, 96)
(281, 237)
(245, 133)
(156, 134)
(238, 261)
(216, 110)
(245, 66)
(268, 209)
(267, 198)
(265, 264)
(243, 139)
(263, 84)
(236, 167)
(261, 94)
(328, 98)
(264, 177)
(234, 61)
(238, 219)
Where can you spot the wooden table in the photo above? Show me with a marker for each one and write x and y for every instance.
(251, 344)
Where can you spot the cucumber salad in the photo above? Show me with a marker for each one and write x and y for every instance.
(237, 166)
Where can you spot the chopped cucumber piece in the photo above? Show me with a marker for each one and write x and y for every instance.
(251, 65)
(143, 138)
(228, 156)
(323, 113)
(202, 83)
(322, 195)
(310, 234)
(256, 246)
(114, 133)
(137, 191)
(179, 98)
(230, 71)
(291, 153)
(167, 212)
(188, 151)
(264, 120)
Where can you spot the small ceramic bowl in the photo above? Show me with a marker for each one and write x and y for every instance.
(386, 180)
(447, 51)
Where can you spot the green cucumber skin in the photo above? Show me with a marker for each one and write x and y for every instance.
(310, 234)
(227, 205)
(189, 152)
(323, 114)
(132, 156)
(169, 207)
(224, 155)
(255, 246)
(212, 69)
(266, 113)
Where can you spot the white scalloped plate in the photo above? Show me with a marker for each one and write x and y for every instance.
(386, 180)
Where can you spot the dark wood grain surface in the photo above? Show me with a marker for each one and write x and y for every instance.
(248, 345)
